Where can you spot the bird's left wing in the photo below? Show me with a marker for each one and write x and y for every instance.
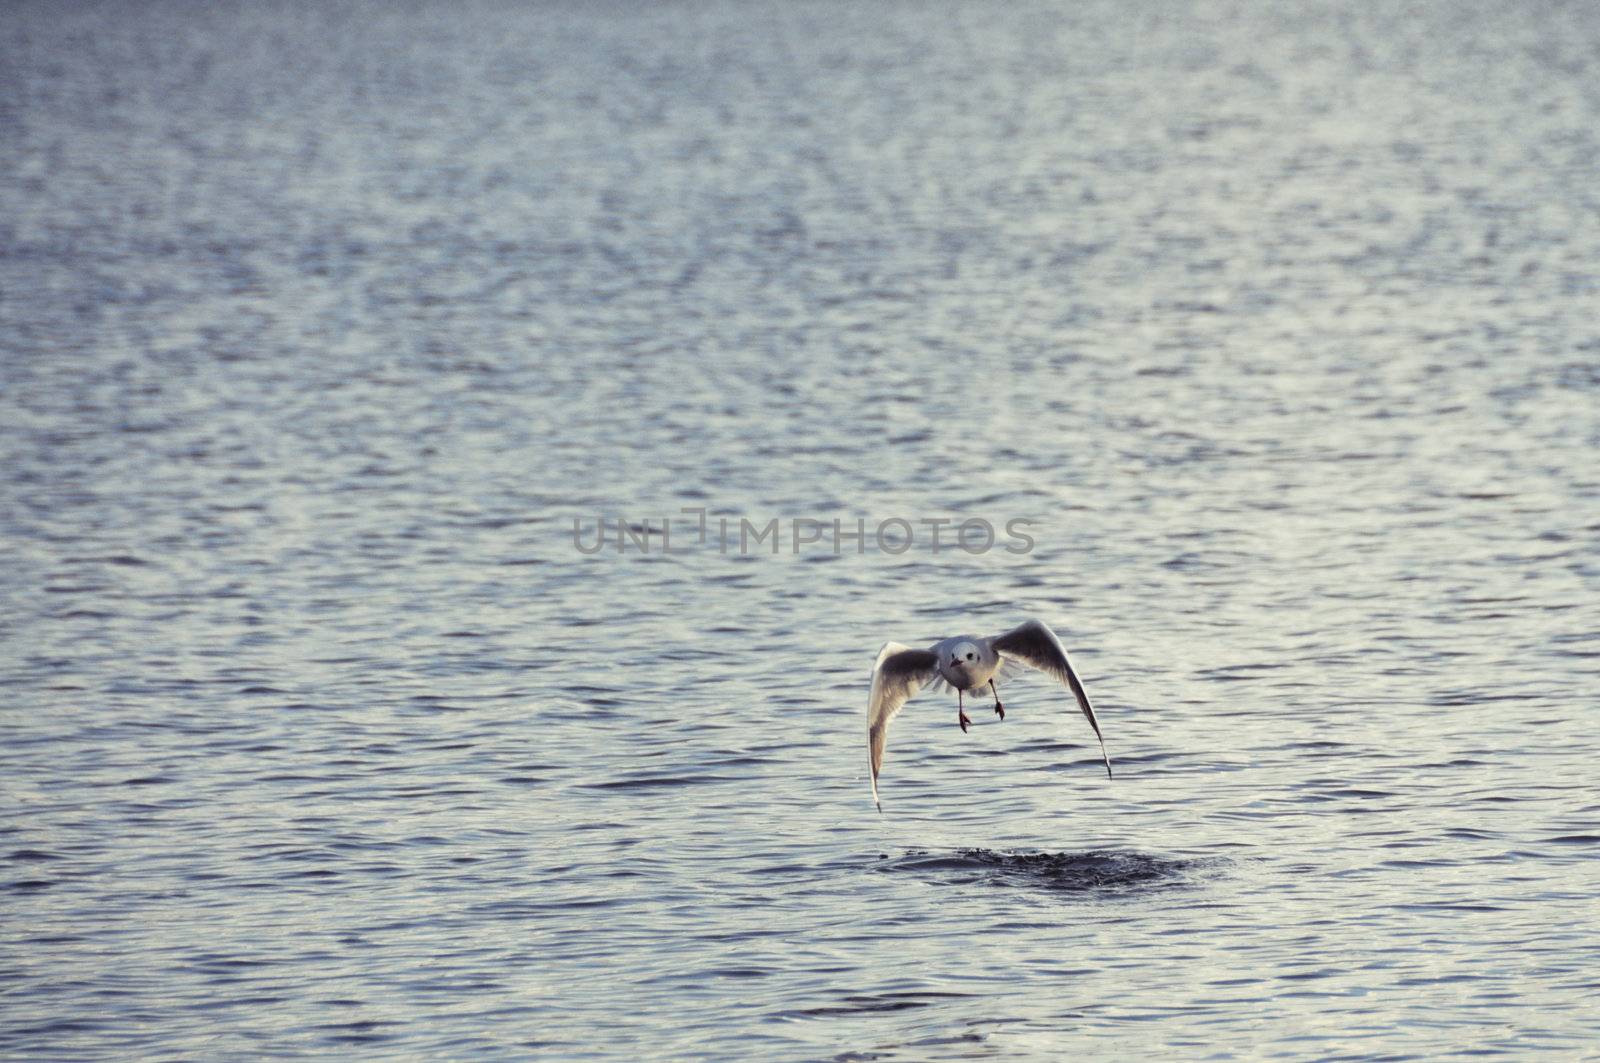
(1036, 646)
(898, 673)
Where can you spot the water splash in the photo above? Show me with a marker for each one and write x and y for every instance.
(1097, 872)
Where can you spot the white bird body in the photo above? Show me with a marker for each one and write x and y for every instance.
(966, 663)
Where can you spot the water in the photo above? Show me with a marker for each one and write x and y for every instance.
(323, 322)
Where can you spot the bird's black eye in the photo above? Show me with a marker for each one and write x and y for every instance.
(969, 656)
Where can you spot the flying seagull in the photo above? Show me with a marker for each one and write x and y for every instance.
(968, 663)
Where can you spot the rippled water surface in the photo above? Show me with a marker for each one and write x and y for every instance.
(322, 323)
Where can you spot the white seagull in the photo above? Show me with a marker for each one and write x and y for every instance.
(967, 663)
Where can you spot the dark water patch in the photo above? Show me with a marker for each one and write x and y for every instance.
(1207, 561)
(528, 909)
(34, 856)
(218, 964)
(783, 870)
(654, 782)
(1089, 873)
(699, 976)
(1350, 792)
(59, 1026)
(864, 1004)
(1470, 834)
(743, 760)
(362, 1032)
(1402, 864)
(1449, 906)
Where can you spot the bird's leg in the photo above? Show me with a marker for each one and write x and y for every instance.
(961, 713)
(999, 709)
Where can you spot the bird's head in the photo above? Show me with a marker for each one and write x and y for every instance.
(964, 655)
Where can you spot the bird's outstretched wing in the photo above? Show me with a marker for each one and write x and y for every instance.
(1036, 646)
(898, 673)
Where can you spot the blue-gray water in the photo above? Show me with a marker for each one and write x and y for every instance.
(322, 322)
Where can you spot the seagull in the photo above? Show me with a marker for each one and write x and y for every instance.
(968, 663)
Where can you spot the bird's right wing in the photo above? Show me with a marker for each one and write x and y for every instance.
(898, 673)
(1036, 646)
